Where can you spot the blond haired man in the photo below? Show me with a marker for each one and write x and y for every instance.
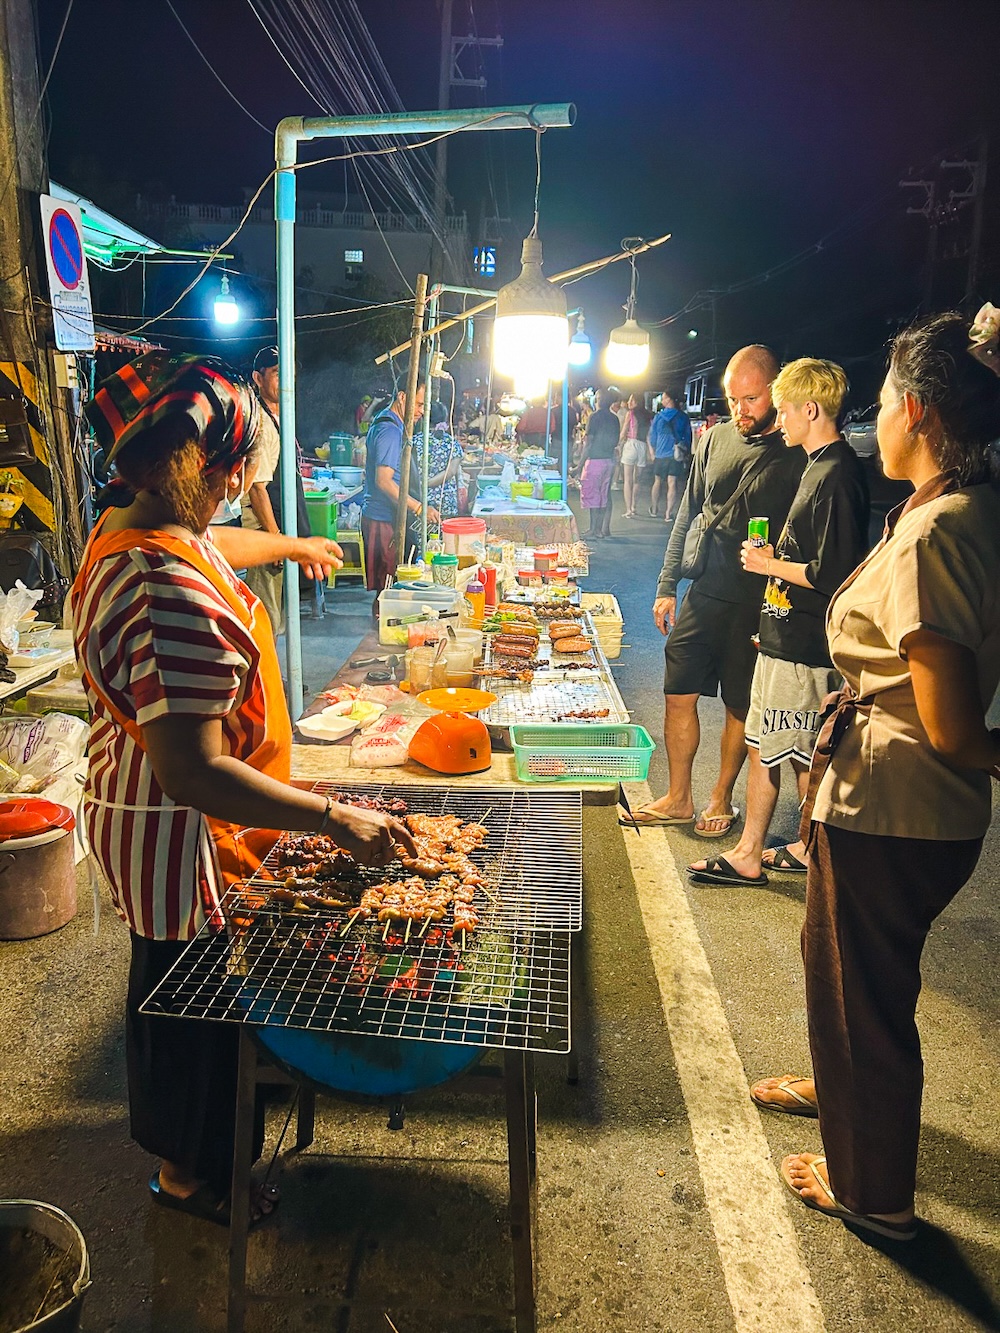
(822, 541)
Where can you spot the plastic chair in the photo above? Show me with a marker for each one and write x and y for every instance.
(347, 538)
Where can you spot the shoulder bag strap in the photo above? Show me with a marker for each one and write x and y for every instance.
(738, 494)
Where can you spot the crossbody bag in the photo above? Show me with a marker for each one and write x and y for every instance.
(694, 558)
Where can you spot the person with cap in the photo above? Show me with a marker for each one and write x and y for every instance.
(262, 505)
(189, 757)
(378, 513)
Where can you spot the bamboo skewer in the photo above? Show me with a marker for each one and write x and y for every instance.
(409, 923)
(350, 922)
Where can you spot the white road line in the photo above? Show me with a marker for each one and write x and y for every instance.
(768, 1284)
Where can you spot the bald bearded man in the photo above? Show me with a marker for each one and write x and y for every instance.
(710, 645)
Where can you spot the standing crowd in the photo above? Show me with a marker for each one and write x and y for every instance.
(872, 675)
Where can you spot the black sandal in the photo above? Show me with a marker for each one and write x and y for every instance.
(209, 1206)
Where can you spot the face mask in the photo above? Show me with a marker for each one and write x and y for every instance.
(227, 510)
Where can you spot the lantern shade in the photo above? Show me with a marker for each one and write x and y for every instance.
(627, 353)
(530, 335)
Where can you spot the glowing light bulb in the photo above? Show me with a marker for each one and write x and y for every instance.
(627, 353)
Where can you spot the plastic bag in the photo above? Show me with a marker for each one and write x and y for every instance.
(387, 743)
(37, 748)
(14, 606)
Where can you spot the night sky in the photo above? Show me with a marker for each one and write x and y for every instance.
(749, 131)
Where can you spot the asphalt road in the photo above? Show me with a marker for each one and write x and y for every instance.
(660, 1209)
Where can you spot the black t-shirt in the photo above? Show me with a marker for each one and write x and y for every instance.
(603, 429)
(827, 531)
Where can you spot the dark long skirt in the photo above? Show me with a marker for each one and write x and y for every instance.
(870, 902)
(181, 1076)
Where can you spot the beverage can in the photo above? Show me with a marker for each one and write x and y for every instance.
(757, 530)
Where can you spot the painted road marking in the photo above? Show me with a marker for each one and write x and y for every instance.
(766, 1278)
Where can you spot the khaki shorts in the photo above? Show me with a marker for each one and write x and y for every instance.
(634, 453)
(785, 702)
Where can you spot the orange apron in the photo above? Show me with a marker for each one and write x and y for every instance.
(238, 851)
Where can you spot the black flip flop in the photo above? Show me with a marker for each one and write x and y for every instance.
(719, 871)
(206, 1204)
(786, 862)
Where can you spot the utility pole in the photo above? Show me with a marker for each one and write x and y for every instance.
(977, 194)
(932, 211)
(450, 75)
(27, 400)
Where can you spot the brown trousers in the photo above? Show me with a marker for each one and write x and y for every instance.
(870, 901)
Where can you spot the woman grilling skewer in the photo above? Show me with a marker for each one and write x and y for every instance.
(190, 735)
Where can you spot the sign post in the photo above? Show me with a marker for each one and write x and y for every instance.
(69, 281)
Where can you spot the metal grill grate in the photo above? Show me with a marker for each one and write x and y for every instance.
(506, 989)
(532, 862)
(509, 987)
(556, 690)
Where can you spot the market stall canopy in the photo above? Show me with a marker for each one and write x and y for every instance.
(104, 237)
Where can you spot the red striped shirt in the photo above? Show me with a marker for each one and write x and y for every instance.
(157, 638)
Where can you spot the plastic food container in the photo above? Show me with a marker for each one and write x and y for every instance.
(322, 514)
(558, 577)
(529, 578)
(523, 489)
(552, 490)
(546, 557)
(464, 536)
(444, 569)
(459, 662)
(567, 752)
(412, 605)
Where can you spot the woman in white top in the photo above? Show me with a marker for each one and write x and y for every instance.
(900, 786)
(632, 449)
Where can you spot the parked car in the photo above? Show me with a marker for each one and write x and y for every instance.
(859, 432)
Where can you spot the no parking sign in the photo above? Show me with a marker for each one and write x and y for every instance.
(69, 282)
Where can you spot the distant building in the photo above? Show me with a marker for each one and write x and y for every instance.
(337, 242)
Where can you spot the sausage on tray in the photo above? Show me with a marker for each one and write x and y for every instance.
(575, 645)
(515, 649)
(561, 629)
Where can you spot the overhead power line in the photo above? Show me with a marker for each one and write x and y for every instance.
(214, 72)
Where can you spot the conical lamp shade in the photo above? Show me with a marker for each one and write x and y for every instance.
(530, 335)
(627, 353)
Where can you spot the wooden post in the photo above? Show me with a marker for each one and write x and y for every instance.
(419, 302)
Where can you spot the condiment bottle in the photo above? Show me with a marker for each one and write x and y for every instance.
(489, 573)
(475, 595)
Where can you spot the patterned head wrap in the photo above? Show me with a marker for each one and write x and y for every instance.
(217, 399)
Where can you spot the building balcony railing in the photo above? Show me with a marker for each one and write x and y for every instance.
(312, 216)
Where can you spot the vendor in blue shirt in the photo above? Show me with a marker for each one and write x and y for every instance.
(378, 514)
(670, 449)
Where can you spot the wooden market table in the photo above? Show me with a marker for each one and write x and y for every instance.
(509, 521)
(27, 677)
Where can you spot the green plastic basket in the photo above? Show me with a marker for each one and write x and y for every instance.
(567, 752)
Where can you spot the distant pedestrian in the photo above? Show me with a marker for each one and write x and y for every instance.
(597, 463)
(740, 469)
(823, 540)
(670, 455)
(632, 449)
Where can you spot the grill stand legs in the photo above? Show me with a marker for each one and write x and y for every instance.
(522, 1153)
(519, 1092)
(239, 1206)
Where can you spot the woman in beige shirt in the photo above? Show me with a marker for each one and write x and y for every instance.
(900, 784)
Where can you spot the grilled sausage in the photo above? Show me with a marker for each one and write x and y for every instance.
(575, 645)
(525, 640)
(561, 629)
(520, 627)
(514, 649)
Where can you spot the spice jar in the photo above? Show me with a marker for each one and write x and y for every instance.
(444, 569)
(426, 669)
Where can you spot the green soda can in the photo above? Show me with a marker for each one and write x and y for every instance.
(757, 530)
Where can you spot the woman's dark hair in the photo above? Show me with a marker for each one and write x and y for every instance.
(931, 360)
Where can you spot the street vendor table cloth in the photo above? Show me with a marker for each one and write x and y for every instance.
(512, 522)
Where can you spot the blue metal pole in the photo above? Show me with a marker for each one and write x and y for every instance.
(565, 438)
(284, 218)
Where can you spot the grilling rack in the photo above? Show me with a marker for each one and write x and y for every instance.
(509, 988)
(556, 690)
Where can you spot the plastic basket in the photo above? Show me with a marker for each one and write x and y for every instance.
(567, 752)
